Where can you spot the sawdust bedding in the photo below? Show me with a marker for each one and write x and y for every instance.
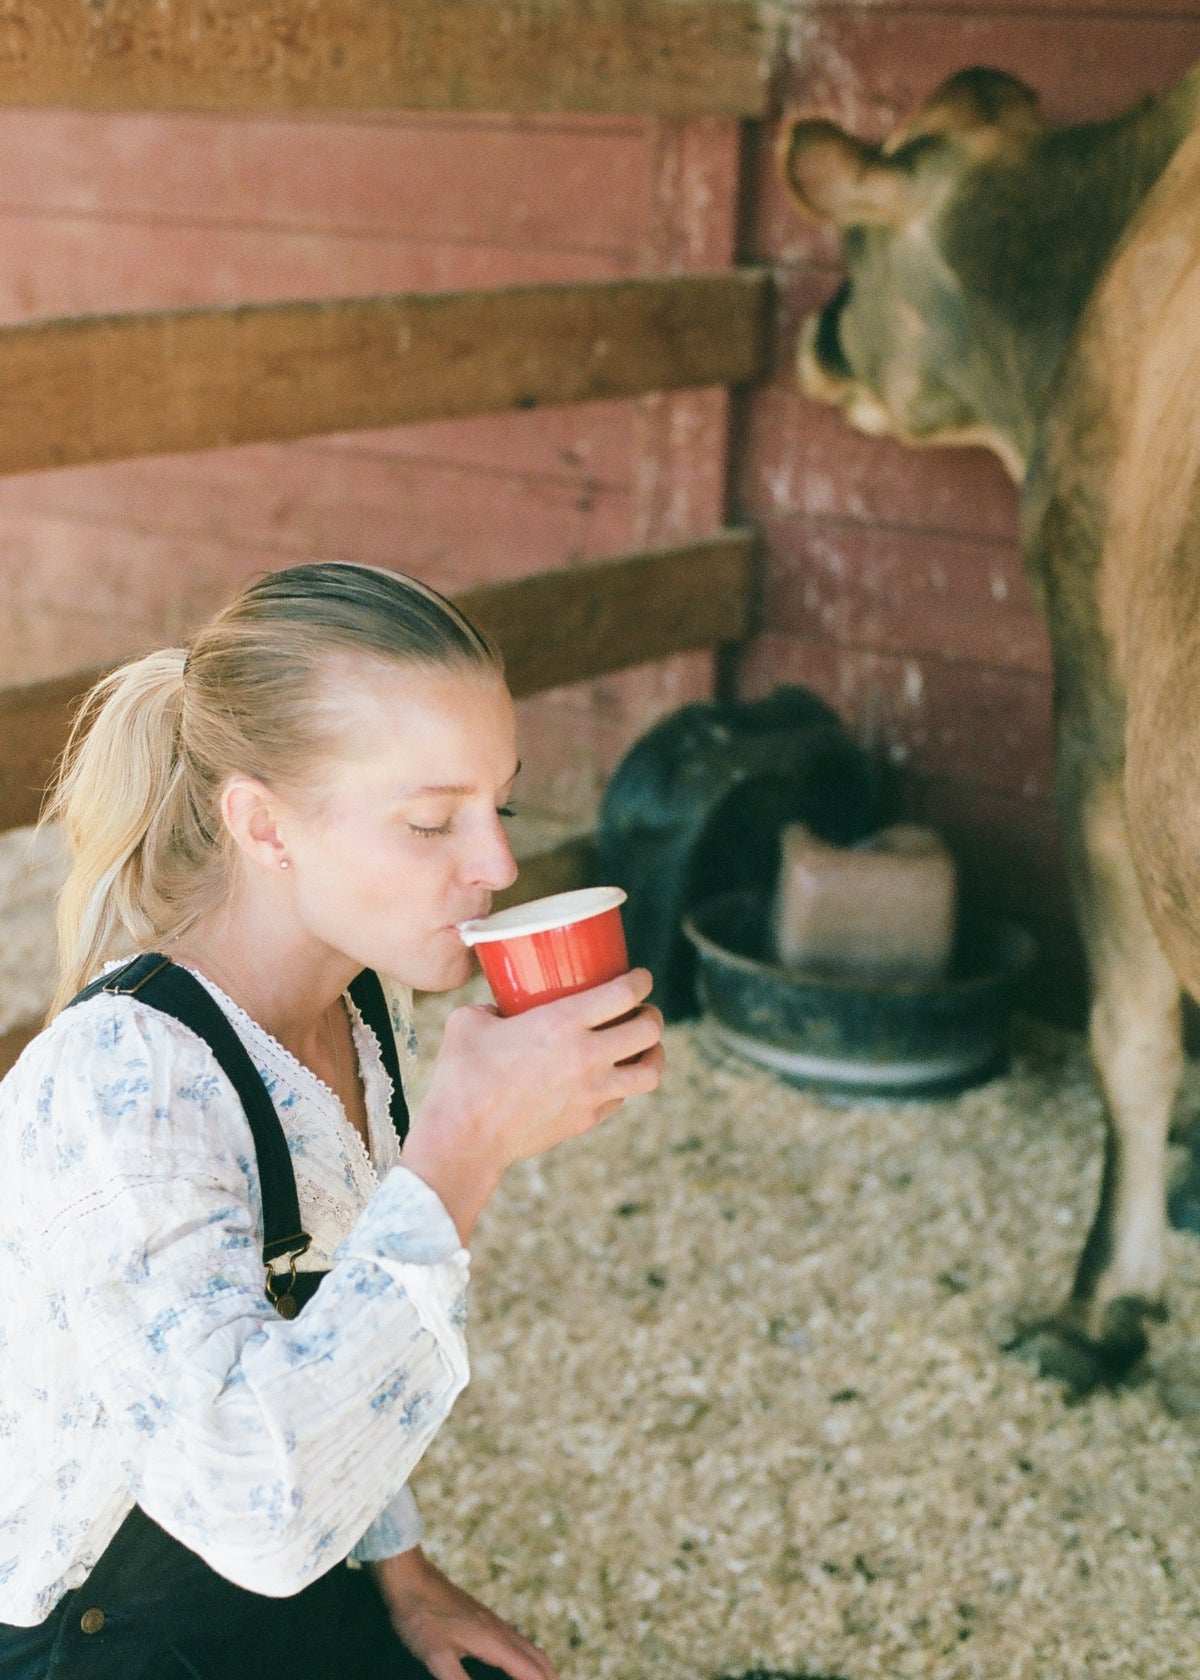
(740, 1405)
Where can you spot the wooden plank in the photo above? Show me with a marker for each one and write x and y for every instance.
(556, 628)
(118, 386)
(35, 720)
(672, 57)
(568, 626)
(52, 266)
(802, 457)
(1010, 862)
(902, 592)
(587, 445)
(274, 504)
(868, 66)
(966, 723)
(1137, 9)
(558, 183)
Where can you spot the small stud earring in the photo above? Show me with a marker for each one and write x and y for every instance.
(285, 863)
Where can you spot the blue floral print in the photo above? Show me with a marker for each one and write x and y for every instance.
(140, 1357)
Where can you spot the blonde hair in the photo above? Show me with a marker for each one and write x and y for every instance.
(156, 741)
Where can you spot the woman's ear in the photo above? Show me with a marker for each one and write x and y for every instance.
(840, 179)
(251, 814)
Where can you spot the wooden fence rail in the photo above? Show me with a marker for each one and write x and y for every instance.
(670, 57)
(554, 628)
(111, 387)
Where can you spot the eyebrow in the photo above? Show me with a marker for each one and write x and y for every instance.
(454, 789)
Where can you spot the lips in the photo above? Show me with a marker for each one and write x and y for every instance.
(470, 916)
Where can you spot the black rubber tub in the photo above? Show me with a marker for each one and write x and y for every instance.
(859, 1039)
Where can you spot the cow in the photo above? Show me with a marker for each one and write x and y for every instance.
(1037, 289)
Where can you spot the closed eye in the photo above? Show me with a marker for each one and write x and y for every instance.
(444, 828)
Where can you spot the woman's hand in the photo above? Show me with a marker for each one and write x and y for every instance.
(503, 1090)
(441, 1624)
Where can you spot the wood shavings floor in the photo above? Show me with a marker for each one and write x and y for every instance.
(739, 1401)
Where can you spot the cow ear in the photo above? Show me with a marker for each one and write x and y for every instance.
(982, 109)
(840, 179)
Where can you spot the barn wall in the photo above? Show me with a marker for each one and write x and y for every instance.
(893, 582)
(103, 211)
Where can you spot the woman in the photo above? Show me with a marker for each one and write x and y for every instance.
(311, 796)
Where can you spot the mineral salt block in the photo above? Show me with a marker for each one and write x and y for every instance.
(881, 910)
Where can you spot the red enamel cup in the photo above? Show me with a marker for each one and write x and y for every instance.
(550, 947)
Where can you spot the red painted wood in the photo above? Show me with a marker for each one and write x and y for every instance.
(73, 266)
(979, 726)
(1009, 851)
(271, 508)
(547, 183)
(868, 66)
(589, 445)
(578, 736)
(802, 457)
(1010, 862)
(903, 592)
(110, 211)
(1138, 9)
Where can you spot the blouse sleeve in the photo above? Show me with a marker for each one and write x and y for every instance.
(397, 1528)
(259, 1443)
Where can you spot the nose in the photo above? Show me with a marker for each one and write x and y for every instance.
(492, 864)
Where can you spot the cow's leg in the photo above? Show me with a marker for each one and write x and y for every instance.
(1136, 1042)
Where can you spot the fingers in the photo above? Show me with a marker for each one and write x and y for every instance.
(627, 1038)
(504, 1089)
(443, 1666)
(601, 1004)
(643, 1073)
(511, 1653)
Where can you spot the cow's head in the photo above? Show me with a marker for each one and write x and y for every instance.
(913, 345)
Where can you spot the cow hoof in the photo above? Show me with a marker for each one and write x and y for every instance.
(1060, 1350)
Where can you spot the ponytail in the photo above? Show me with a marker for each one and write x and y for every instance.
(156, 741)
(119, 795)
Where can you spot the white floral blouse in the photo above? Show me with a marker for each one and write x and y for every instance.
(139, 1357)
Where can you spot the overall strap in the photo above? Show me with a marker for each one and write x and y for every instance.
(165, 986)
(372, 1005)
(156, 980)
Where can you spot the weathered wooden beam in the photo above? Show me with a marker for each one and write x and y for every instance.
(671, 57)
(110, 387)
(35, 719)
(556, 628)
(567, 626)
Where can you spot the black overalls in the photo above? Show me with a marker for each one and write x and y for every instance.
(151, 1609)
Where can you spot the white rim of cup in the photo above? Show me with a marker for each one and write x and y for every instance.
(542, 914)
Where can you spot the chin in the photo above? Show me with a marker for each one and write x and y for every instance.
(448, 974)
